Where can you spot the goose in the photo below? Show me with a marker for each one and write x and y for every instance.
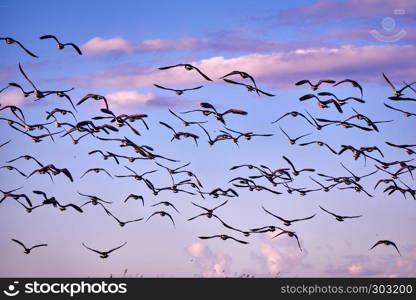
(9, 194)
(52, 201)
(94, 200)
(406, 147)
(397, 93)
(14, 110)
(97, 170)
(61, 111)
(316, 124)
(25, 93)
(324, 187)
(186, 123)
(121, 223)
(104, 156)
(321, 103)
(218, 116)
(135, 175)
(250, 88)
(10, 41)
(247, 135)
(38, 93)
(405, 113)
(208, 212)
(36, 138)
(356, 187)
(243, 75)
(223, 237)
(314, 87)
(166, 203)
(320, 144)
(338, 217)
(162, 214)
(94, 97)
(135, 197)
(178, 92)
(341, 102)
(285, 221)
(353, 83)
(290, 234)
(11, 168)
(60, 45)
(293, 141)
(187, 67)
(293, 114)
(177, 135)
(297, 172)
(54, 170)
(387, 243)
(28, 250)
(104, 254)
(355, 177)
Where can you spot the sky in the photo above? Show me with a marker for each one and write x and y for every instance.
(278, 43)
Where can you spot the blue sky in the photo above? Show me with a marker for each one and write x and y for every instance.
(123, 44)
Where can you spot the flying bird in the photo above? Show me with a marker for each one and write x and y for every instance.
(287, 222)
(60, 45)
(250, 88)
(243, 75)
(187, 67)
(162, 214)
(387, 243)
(353, 83)
(10, 41)
(223, 237)
(338, 217)
(27, 250)
(104, 254)
(314, 87)
(178, 91)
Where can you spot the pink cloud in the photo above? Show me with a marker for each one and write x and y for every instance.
(123, 98)
(219, 41)
(279, 255)
(100, 45)
(279, 69)
(377, 265)
(12, 97)
(210, 264)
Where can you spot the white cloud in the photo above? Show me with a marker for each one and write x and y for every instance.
(278, 69)
(12, 97)
(210, 264)
(127, 98)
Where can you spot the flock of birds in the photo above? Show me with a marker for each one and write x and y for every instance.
(283, 176)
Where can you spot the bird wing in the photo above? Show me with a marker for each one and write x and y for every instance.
(26, 50)
(96, 251)
(75, 47)
(169, 67)
(26, 77)
(163, 88)
(389, 82)
(40, 245)
(202, 74)
(168, 126)
(328, 211)
(20, 243)
(273, 214)
(307, 218)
